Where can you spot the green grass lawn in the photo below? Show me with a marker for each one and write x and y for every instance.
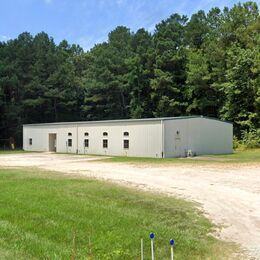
(239, 156)
(245, 156)
(249, 155)
(41, 211)
(13, 151)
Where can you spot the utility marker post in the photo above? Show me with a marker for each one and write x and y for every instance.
(171, 243)
(142, 249)
(152, 248)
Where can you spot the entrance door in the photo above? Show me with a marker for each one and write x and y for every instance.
(52, 142)
(177, 145)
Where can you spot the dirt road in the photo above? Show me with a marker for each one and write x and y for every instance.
(228, 194)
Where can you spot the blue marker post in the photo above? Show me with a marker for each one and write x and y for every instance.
(152, 249)
(172, 244)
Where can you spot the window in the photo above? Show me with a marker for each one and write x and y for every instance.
(86, 143)
(30, 141)
(69, 134)
(126, 134)
(105, 143)
(126, 144)
(69, 142)
(105, 134)
(86, 134)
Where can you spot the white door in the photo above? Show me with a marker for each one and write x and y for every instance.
(177, 145)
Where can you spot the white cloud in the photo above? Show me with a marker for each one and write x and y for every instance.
(4, 38)
(151, 27)
(88, 42)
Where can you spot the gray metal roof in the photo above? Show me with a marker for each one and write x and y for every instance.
(123, 120)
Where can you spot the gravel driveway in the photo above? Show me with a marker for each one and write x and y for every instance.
(229, 194)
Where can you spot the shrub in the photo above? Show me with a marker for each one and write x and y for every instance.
(236, 143)
(249, 139)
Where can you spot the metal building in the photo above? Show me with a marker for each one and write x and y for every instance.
(153, 137)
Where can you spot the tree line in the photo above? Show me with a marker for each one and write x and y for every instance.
(208, 64)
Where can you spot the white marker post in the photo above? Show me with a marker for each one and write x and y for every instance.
(171, 243)
(142, 249)
(152, 249)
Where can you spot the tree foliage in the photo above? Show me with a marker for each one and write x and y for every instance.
(206, 65)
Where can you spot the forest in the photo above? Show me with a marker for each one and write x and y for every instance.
(207, 64)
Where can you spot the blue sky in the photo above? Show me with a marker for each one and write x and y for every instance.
(87, 22)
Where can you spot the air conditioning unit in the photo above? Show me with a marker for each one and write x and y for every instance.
(191, 153)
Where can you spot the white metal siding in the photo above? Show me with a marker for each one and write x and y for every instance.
(148, 138)
(40, 138)
(215, 137)
(170, 133)
(144, 138)
(200, 135)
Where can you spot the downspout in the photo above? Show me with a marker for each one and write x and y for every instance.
(77, 151)
(162, 129)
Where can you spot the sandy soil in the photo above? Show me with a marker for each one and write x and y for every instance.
(228, 194)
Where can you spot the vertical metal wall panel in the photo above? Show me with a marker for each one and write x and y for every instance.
(173, 137)
(40, 138)
(216, 137)
(171, 127)
(200, 135)
(144, 138)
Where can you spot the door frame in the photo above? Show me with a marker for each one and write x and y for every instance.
(52, 142)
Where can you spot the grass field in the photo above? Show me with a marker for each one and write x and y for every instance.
(244, 156)
(239, 156)
(12, 151)
(42, 213)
